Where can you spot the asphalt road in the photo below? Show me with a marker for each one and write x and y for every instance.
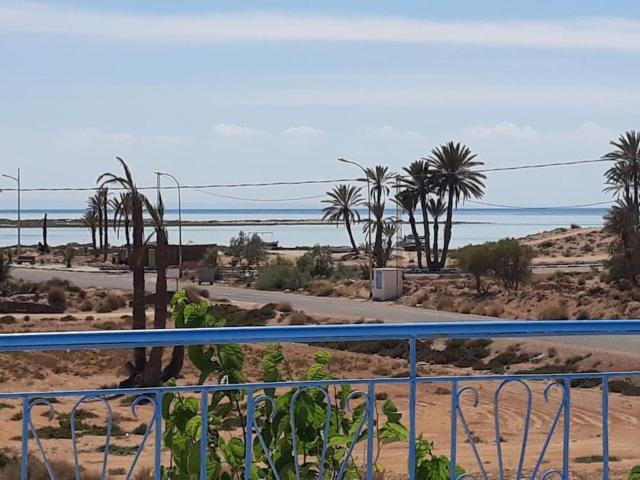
(341, 308)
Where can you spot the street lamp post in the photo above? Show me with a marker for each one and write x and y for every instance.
(159, 174)
(17, 180)
(370, 252)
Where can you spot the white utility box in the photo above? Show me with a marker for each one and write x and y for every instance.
(387, 283)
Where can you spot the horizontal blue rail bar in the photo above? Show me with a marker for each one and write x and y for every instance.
(313, 333)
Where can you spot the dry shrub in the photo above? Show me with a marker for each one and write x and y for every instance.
(38, 471)
(297, 318)
(554, 311)
(111, 302)
(582, 314)
(465, 306)
(86, 306)
(480, 307)
(494, 309)
(444, 302)
(284, 307)
(420, 297)
(57, 296)
(321, 288)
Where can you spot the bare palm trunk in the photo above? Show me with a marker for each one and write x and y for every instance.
(636, 207)
(127, 226)
(137, 263)
(93, 238)
(347, 224)
(425, 224)
(436, 228)
(447, 230)
(416, 237)
(106, 227)
(99, 211)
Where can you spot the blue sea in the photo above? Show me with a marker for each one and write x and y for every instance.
(473, 225)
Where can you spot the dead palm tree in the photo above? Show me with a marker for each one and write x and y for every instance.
(343, 200)
(420, 180)
(455, 179)
(136, 259)
(153, 374)
(627, 151)
(436, 208)
(90, 219)
(408, 200)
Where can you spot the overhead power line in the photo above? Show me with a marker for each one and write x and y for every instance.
(298, 182)
(291, 199)
(520, 207)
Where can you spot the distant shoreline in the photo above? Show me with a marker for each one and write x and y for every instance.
(77, 223)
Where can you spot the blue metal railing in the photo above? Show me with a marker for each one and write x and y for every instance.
(461, 386)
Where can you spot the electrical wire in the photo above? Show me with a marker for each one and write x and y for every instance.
(519, 207)
(298, 182)
(292, 199)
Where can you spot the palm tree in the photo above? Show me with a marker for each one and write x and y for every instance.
(90, 219)
(379, 178)
(121, 206)
(154, 375)
(408, 200)
(389, 230)
(618, 179)
(627, 151)
(103, 194)
(455, 178)
(342, 201)
(94, 203)
(436, 207)
(420, 180)
(136, 258)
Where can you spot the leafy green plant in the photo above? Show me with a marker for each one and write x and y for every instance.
(317, 262)
(322, 425)
(634, 474)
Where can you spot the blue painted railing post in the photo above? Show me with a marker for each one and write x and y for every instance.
(454, 429)
(566, 434)
(25, 438)
(157, 462)
(248, 442)
(371, 405)
(605, 428)
(412, 407)
(204, 433)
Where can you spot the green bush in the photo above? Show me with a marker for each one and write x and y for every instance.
(475, 260)
(317, 262)
(281, 276)
(246, 250)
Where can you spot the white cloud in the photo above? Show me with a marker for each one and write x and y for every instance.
(303, 132)
(579, 33)
(88, 136)
(388, 131)
(233, 131)
(593, 132)
(502, 130)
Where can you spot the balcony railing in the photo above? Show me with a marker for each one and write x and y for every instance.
(487, 458)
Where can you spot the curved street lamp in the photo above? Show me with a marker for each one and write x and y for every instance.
(17, 180)
(159, 174)
(370, 252)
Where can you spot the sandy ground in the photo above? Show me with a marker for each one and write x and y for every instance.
(92, 369)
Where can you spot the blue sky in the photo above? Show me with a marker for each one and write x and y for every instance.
(254, 91)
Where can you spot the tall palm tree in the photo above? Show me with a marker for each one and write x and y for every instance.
(379, 178)
(121, 206)
(456, 179)
(153, 374)
(343, 200)
(627, 151)
(94, 203)
(420, 180)
(408, 200)
(436, 207)
(90, 219)
(136, 258)
(618, 179)
(103, 194)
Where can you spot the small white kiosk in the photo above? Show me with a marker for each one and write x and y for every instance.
(387, 283)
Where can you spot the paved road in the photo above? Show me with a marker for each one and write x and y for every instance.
(343, 308)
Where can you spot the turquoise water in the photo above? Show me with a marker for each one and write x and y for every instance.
(474, 225)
